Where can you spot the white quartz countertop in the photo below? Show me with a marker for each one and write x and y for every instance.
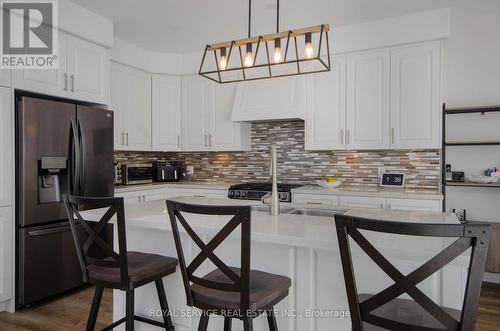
(371, 191)
(181, 184)
(287, 229)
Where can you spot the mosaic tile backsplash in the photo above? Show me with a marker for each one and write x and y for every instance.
(298, 166)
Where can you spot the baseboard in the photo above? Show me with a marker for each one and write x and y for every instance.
(490, 277)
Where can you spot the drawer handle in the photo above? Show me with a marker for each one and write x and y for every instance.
(314, 203)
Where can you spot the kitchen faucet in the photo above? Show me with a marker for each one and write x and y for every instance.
(272, 199)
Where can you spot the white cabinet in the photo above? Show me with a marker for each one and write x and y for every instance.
(82, 74)
(206, 117)
(6, 253)
(414, 204)
(155, 194)
(131, 103)
(270, 99)
(6, 145)
(415, 97)
(166, 113)
(317, 200)
(195, 111)
(362, 202)
(88, 71)
(368, 100)
(326, 108)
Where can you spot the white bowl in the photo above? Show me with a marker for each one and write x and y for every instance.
(482, 179)
(324, 183)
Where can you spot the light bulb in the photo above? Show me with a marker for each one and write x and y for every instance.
(249, 57)
(277, 50)
(309, 48)
(223, 59)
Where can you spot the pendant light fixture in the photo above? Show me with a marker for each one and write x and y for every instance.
(303, 53)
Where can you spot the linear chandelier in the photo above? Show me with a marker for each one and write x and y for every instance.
(236, 61)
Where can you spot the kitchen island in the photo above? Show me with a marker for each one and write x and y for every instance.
(302, 247)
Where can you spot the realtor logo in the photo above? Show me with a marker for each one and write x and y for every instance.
(29, 34)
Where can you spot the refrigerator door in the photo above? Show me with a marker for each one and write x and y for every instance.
(44, 159)
(96, 172)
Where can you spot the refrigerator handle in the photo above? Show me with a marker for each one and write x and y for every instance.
(75, 159)
(83, 161)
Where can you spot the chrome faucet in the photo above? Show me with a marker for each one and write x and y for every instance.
(272, 199)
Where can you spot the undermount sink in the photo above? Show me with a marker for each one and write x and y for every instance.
(317, 212)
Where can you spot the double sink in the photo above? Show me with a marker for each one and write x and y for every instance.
(302, 211)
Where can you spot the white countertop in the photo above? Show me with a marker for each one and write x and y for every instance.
(292, 230)
(371, 191)
(181, 184)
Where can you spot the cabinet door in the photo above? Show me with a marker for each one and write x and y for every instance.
(362, 202)
(196, 101)
(415, 96)
(413, 204)
(118, 103)
(138, 99)
(45, 81)
(88, 70)
(6, 144)
(6, 252)
(166, 113)
(130, 198)
(270, 99)
(326, 108)
(226, 135)
(368, 100)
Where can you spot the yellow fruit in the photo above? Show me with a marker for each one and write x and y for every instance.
(330, 179)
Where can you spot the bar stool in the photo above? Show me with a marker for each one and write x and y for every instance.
(232, 292)
(385, 310)
(125, 270)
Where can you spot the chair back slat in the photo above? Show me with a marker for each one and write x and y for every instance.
(467, 235)
(94, 250)
(235, 282)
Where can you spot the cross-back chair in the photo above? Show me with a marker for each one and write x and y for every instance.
(124, 270)
(385, 310)
(232, 292)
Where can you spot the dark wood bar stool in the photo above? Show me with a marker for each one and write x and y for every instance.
(125, 270)
(385, 310)
(231, 292)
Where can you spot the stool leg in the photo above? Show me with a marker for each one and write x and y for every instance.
(247, 325)
(94, 310)
(129, 314)
(227, 323)
(271, 320)
(164, 305)
(203, 326)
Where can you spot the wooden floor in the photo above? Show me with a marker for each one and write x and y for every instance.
(70, 312)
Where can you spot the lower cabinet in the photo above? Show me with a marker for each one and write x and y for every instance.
(362, 202)
(318, 200)
(6, 252)
(138, 197)
(413, 204)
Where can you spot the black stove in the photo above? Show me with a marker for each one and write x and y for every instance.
(255, 191)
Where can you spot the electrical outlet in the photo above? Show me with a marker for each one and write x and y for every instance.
(190, 170)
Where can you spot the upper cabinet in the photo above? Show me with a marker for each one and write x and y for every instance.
(415, 96)
(368, 100)
(206, 117)
(88, 70)
(6, 144)
(326, 108)
(378, 99)
(82, 74)
(5, 77)
(270, 99)
(131, 103)
(166, 113)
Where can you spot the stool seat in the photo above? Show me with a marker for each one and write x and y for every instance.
(407, 312)
(265, 289)
(142, 269)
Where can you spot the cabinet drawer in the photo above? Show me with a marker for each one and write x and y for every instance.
(316, 200)
(362, 202)
(412, 204)
(130, 198)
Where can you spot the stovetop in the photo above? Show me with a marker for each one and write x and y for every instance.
(255, 191)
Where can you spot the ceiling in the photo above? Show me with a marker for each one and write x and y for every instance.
(178, 26)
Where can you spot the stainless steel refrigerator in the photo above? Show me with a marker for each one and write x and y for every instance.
(61, 147)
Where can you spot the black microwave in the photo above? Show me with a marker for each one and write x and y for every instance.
(136, 173)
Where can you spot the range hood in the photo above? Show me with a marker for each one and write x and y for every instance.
(270, 100)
